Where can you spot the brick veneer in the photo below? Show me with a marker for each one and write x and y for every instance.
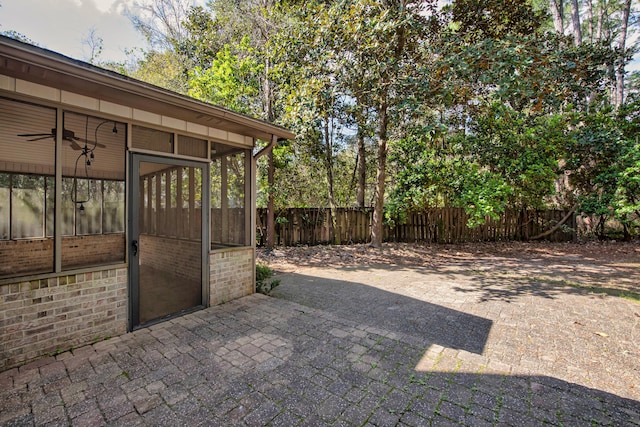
(43, 316)
(49, 315)
(32, 256)
(181, 257)
(232, 274)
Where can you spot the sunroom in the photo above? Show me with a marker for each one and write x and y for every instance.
(121, 204)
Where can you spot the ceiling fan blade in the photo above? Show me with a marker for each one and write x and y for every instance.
(34, 134)
(74, 145)
(40, 138)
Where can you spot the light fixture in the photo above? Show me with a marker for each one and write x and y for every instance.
(89, 158)
(87, 153)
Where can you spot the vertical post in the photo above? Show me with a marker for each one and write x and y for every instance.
(249, 200)
(271, 223)
(148, 208)
(179, 203)
(224, 199)
(143, 185)
(192, 202)
(57, 215)
(159, 228)
(167, 204)
(205, 206)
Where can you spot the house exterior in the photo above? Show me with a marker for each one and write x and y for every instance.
(121, 203)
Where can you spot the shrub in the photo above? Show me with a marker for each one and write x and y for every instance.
(264, 283)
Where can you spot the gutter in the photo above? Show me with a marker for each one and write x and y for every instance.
(269, 147)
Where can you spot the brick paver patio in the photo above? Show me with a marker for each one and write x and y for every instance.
(332, 350)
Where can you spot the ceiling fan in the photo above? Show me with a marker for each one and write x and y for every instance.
(67, 135)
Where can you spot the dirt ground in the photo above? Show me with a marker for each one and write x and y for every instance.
(601, 267)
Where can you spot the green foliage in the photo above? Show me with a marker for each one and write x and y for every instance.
(231, 80)
(264, 283)
(493, 19)
(505, 159)
(12, 34)
(523, 150)
(164, 69)
(603, 160)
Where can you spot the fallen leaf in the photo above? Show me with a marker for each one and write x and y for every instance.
(577, 323)
(637, 315)
(602, 334)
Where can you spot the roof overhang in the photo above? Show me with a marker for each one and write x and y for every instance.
(24, 61)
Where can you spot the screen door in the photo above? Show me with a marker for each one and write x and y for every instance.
(166, 240)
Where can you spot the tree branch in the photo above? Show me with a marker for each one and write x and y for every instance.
(557, 226)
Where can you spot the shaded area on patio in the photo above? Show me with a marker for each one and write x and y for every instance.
(427, 323)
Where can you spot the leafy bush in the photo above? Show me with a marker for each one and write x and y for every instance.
(264, 283)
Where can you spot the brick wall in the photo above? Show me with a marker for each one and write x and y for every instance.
(23, 257)
(43, 316)
(232, 274)
(182, 257)
(33, 256)
(98, 249)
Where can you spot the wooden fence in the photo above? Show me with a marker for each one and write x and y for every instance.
(311, 226)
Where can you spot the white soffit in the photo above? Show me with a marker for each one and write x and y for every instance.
(170, 122)
(77, 100)
(7, 83)
(116, 109)
(37, 90)
(234, 137)
(198, 129)
(147, 117)
(218, 134)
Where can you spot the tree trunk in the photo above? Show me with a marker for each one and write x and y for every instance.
(601, 13)
(600, 227)
(328, 142)
(558, 18)
(271, 223)
(268, 112)
(590, 19)
(362, 169)
(575, 22)
(626, 233)
(624, 23)
(378, 208)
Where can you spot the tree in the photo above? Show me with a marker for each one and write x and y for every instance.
(604, 162)
(557, 11)
(94, 44)
(380, 38)
(602, 23)
(164, 69)
(257, 21)
(161, 22)
(508, 92)
(18, 36)
(230, 80)
(624, 55)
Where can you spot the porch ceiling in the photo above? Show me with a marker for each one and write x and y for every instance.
(37, 65)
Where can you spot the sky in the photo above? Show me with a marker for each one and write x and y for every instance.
(62, 25)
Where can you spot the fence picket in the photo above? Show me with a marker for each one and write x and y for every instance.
(311, 226)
